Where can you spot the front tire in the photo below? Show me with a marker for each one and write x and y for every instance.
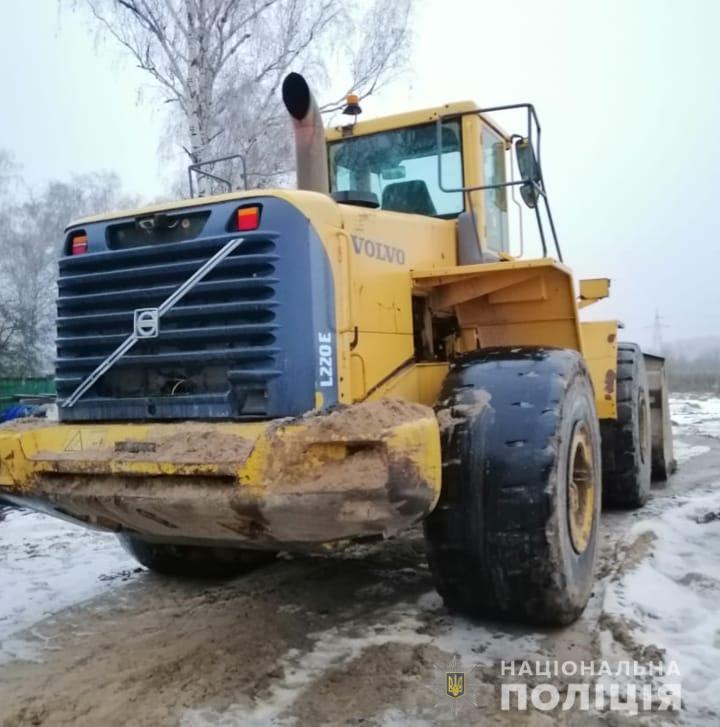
(192, 561)
(514, 535)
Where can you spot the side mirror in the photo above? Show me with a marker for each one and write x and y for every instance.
(529, 171)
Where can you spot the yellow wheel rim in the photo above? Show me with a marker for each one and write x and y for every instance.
(581, 488)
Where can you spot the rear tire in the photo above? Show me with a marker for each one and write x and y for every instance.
(192, 561)
(627, 445)
(508, 538)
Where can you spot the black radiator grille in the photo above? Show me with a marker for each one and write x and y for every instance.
(218, 344)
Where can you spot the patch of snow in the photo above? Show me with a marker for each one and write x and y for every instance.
(476, 644)
(684, 451)
(398, 718)
(21, 650)
(430, 601)
(338, 646)
(699, 415)
(47, 565)
(670, 600)
(332, 648)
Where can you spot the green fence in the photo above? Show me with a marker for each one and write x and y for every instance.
(11, 389)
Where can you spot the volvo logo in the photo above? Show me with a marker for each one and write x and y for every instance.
(147, 323)
(378, 250)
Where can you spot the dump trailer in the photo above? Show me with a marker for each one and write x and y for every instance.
(279, 370)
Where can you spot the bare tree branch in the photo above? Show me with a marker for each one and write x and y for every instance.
(223, 62)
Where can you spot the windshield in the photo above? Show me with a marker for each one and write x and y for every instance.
(400, 168)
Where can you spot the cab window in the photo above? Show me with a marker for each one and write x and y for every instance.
(401, 168)
(496, 223)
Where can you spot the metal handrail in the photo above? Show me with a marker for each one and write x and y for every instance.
(196, 168)
(533, 125)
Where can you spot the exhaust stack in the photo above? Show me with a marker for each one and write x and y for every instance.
(310, 149)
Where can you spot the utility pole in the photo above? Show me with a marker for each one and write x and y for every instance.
(658, 325)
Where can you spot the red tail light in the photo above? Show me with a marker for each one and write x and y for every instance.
(247, 219)
(78, 244)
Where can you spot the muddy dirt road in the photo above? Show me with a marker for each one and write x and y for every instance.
(88, 638)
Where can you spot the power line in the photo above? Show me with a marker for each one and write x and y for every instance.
(657, 326)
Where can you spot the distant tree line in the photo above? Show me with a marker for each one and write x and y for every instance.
(32, 224)
(697, 373)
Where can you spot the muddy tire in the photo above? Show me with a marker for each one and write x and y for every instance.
(627, 454)
(192, 561)
(512, 537)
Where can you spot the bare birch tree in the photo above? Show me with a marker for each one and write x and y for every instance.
(220, 63)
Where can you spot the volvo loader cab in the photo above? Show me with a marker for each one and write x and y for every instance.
(269, 370)
(424, 166)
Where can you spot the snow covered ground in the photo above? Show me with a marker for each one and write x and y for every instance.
(48, 565)
(358, 632)
(670, 599)
(667, 603)
(696, 416)
(699, 415)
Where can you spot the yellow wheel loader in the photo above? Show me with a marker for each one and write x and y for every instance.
(271, 370)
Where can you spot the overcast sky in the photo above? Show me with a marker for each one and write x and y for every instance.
(627, 92)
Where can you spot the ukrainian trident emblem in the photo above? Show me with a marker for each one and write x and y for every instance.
(455, 684)
(451, 681)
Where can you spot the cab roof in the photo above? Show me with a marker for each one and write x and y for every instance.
(396, 121)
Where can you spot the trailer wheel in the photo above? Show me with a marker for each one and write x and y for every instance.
(514, 535)
(192, 561)
(627, 454)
